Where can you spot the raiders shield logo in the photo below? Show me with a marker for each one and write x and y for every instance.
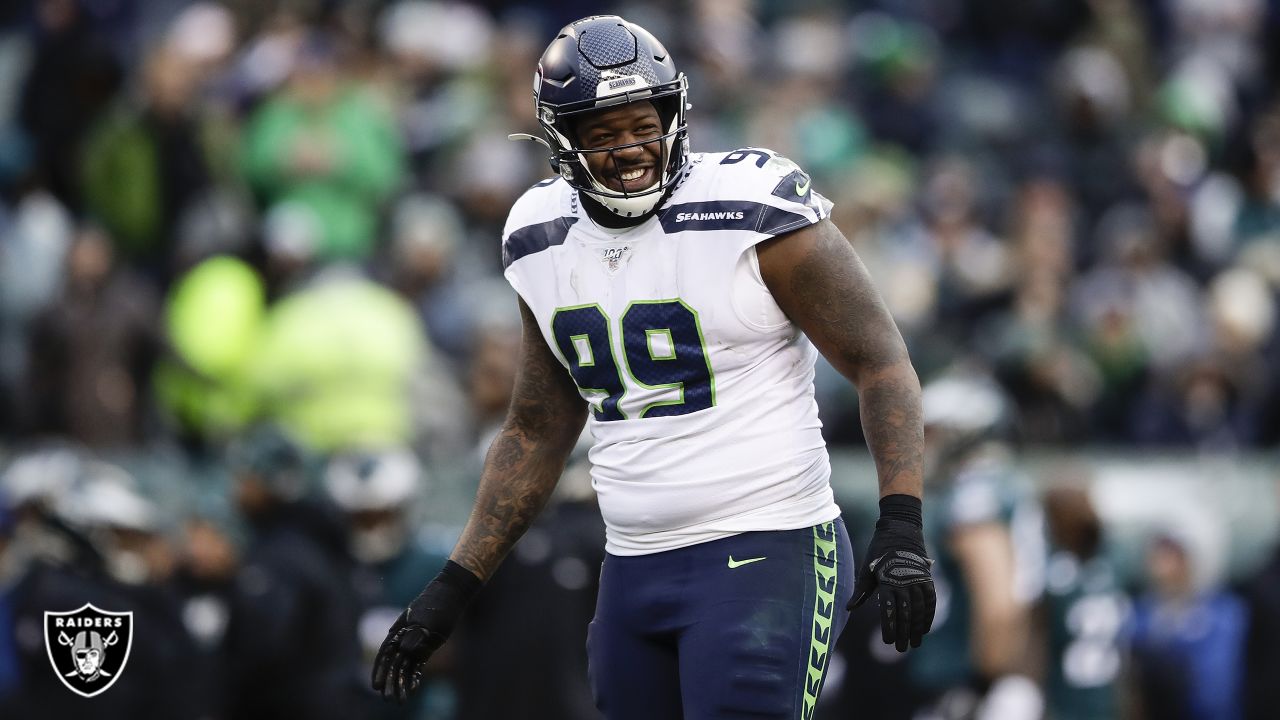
(88, 647)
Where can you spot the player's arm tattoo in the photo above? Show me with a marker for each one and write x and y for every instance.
(818, 280)
(527, 457)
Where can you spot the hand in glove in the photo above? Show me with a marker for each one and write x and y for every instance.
(896, 569)
(420, 630)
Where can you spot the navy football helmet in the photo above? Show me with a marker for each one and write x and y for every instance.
(604, 61)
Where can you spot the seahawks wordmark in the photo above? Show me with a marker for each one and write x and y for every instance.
(723, 215)
(88, 647)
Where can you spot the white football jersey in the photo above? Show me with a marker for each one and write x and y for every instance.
(701, 389)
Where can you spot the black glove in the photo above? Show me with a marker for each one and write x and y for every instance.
(896, 569)
(421, 629)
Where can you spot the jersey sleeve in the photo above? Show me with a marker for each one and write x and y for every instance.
(783, 191)
(534, 224)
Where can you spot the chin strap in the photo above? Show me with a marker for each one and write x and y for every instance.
(605, 216)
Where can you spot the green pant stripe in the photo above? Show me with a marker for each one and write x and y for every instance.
(824, 609)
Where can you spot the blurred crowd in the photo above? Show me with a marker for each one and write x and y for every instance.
(251, 304)
(1037, 619)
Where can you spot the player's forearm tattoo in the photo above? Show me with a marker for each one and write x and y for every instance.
(523, 464)
(850, 323)
(889, 404)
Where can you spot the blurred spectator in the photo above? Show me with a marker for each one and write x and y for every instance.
(486, 176)
(291, 647)
(336, 362)
(379, 492)
(121, 564)
(902, 58)
(73, 77)
(203, 33)
(264, 62)
(973, 267)
(806, 116)
(1083, 610)
(1095, 98)
(423, 267)
(1187, 636)
(1162, 303)
(213, 323)
(123, 527)
(32, 484)
(203, 584)
(491, 376)
(1054, 383)
(873, 203)
(1258, 221)
(327, 144)
(435, 50)
(33, 247)
(92, 350)
(148, 166)
(1202, 406)
(1140, 314)
(1182, 193)
(1262, 648)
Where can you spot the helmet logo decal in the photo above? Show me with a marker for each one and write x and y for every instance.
(88, 647)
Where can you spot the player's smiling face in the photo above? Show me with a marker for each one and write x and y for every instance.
(631, 169)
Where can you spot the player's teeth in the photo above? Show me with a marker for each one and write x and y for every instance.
(632, 174)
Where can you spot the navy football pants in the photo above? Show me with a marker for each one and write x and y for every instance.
(740, 627)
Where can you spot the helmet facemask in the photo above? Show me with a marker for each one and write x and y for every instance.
(571, 160)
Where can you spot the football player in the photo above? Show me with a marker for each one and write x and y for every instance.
(1084, 610)
(676, 302)
(987, 537)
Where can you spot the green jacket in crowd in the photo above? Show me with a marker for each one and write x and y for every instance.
(341, 160)
(140, 173)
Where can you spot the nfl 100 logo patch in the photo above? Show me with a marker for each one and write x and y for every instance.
(614, 257)
(88, 647)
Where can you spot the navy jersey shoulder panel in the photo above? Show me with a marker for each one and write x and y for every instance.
(535, 238)
(797, 187)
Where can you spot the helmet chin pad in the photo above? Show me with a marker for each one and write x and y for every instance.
(633, 206)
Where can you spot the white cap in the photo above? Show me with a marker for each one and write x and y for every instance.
(964, 404)
(109, 498)
(41, 475)
(377, 480)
